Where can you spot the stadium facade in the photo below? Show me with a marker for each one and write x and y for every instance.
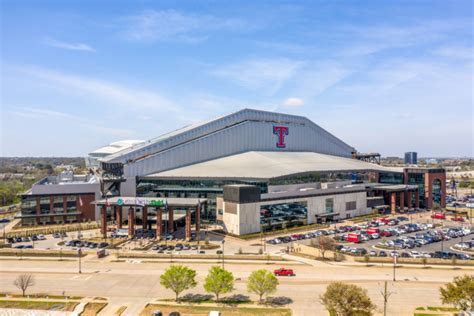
(254, 170)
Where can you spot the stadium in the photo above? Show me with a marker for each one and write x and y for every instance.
(250, 171)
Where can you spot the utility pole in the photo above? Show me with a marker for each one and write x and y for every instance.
(385, 295)
(79, 251)
(395, 255)
(223, 242)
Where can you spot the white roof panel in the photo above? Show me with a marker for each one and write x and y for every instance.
(269, 164)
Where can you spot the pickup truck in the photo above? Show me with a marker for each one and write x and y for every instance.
(284, 272)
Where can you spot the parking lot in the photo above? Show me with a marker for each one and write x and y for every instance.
(417, 235)
(175, 244)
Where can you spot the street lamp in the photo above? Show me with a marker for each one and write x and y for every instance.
(79, 253)
(394, 263)
(223, 242)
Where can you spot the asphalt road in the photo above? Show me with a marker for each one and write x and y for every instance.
(136, 284)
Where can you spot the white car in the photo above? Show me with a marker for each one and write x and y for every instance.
(462, 245)
(416, 254)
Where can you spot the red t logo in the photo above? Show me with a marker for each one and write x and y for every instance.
(281, 131)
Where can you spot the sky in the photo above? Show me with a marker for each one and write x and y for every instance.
(383, 76)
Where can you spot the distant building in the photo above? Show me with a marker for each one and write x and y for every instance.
(92, 160)
(65, 198)
(411, 158)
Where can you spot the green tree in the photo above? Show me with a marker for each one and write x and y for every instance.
(346, 300)
(460, 293)
(178, 279)
(219, 281)
(262, 282)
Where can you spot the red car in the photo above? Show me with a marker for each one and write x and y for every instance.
(458, 219)
(385, 233)
(284, 272)
(438, 215)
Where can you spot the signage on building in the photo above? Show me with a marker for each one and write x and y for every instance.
(140, 202)
(281, 132)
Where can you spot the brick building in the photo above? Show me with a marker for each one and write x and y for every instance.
(65, 198)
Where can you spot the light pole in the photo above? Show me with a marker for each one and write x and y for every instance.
(79, 253)
(223, 242)
(394, 263)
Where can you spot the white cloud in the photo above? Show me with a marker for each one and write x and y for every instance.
(152, 25)
(269, 74)
(71, 120)
(115, 93)
(293, 102)
(69, 46)
(454, 52)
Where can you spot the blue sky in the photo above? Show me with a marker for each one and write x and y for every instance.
(385, 76)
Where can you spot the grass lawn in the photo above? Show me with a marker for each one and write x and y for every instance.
(58, 306)
(120, 310)
(39, 295)
(204, 310)
(434, 310)
(92, 309)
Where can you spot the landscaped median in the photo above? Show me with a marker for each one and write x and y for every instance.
(203, 310)
(134, 255)
(435, 311)
(59, 305)
(50, 229)
(419, 261)
(51, 302)
(93, 308)
(20, 253)
(294, 229)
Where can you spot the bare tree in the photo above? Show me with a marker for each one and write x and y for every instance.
(24, 281)
(326, 243)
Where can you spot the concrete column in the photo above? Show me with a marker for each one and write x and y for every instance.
(145, 217)
(65, 203)
(118, 216)
(170, 220)
(103, 221)
(198, 218)
(188, 224)
(38, 210)
(131, 222)
(159, 222)
(402, 200)
(410, 199)
(417, 199)
(393, 202)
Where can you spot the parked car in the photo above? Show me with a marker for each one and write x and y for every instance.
(438, 215)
